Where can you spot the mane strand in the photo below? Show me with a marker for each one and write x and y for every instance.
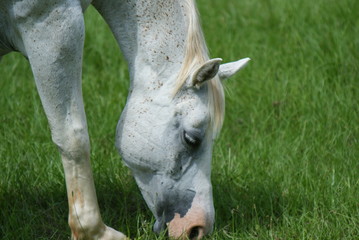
(196, 54)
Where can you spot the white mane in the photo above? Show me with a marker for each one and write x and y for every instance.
(196, 53)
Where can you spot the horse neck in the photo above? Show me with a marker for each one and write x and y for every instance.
(152, 37)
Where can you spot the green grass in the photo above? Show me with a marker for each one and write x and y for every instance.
(285, 166)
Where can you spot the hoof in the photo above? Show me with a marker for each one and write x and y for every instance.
(106, 233)
(112, 234)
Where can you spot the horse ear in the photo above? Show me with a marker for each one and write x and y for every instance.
(206, 72)
(227, 70)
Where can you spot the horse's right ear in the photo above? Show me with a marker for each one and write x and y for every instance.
(206, 72)
(227, 70)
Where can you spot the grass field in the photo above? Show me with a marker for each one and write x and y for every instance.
(286, 165)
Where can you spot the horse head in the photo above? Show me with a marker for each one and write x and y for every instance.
(166, 140)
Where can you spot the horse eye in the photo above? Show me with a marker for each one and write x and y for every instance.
(191, 140)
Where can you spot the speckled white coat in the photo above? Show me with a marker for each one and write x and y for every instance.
(162, 137)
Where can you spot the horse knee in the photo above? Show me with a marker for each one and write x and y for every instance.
(73, 142)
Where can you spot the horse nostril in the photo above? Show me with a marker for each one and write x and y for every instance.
(195, 233)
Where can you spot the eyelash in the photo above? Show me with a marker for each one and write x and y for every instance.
(191, 140)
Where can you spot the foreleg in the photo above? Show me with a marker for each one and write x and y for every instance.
(54, 47)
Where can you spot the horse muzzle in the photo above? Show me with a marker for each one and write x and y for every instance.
(195, 224)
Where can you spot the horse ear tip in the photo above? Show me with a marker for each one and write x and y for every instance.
(243, 62)
(247, 59)
(216, 60)
(229, 69)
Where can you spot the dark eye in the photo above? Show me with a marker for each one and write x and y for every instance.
(191, 139)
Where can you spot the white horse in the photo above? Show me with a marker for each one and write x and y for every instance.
(174, 109)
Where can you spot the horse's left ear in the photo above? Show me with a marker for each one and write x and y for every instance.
(227, 70)
(206, 72)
